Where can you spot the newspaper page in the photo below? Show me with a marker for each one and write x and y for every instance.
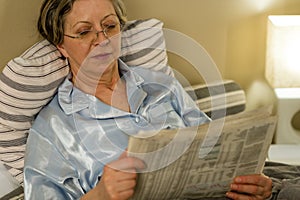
(180, 165)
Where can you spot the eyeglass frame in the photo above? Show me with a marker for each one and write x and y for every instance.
(104, 31)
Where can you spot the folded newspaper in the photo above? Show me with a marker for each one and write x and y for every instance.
(200, 162)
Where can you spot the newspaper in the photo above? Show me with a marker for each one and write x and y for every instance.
(185, 164)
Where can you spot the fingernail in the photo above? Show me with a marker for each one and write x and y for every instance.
(238, 180)
(233, 186)
(228, 194)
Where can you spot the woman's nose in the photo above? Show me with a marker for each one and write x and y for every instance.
(101, 38)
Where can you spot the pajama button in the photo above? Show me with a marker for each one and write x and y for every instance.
(137, 119)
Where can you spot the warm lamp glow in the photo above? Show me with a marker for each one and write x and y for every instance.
(283, 51)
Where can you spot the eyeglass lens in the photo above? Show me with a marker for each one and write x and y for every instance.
(110, 27)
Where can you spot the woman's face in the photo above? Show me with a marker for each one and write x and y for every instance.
(86, 18)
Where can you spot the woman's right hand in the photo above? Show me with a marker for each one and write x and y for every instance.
(118, 179)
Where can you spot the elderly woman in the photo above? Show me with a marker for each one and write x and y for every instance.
(76, 146)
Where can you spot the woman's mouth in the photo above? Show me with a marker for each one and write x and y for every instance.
(101, 56)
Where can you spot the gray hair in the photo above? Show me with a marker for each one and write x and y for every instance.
(53, 13)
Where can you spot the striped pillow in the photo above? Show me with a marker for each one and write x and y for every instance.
(143, 45)
(231, 102)
(28, 82)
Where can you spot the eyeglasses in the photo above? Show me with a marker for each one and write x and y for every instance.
(110, 27)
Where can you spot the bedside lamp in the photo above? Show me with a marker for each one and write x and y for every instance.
(283, 74)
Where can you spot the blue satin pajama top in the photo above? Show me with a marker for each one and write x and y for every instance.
(76, 134)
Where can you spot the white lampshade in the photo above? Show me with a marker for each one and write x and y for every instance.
(283, 51)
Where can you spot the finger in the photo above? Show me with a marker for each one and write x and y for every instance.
(116, 173)
(238, 196)
(123, 155)
(248, 189)
(259, 186)
(112, 175)
(122, 176)
(126, 194)
(127, 164)
(126, 185)
(118, 179)
(254, 179)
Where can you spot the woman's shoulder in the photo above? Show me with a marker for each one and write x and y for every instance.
(51, 113)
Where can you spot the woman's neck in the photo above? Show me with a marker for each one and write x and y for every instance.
(108, 86)
(89, 79)
(109, 78)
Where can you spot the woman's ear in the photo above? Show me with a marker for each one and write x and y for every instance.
(62, 50)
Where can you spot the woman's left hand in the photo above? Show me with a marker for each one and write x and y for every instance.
(256, 186)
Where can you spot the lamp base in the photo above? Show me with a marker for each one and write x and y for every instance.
(296, 121)
(288, 110)
(285, 153)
